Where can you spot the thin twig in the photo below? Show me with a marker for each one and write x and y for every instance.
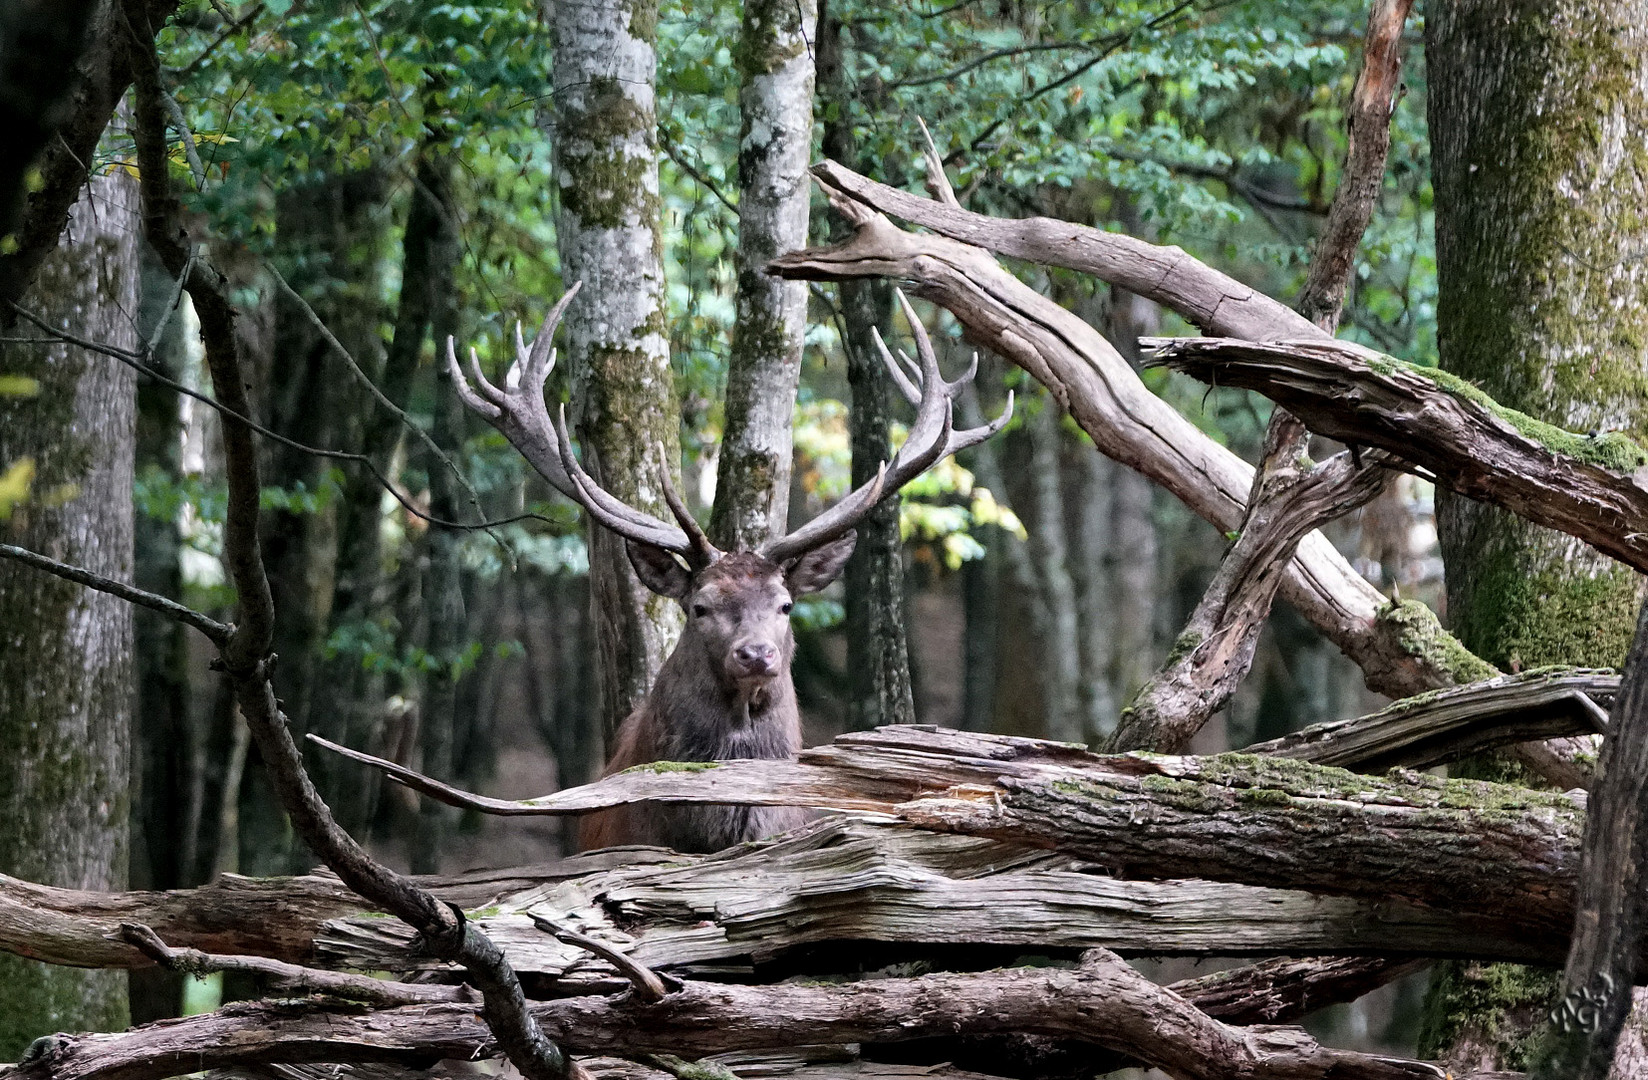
(135, 362)
(647, 982)
(337, 983)
(216, 632)
(703, 181)
(190, 151)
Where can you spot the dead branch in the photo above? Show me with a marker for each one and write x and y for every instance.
(1102, 1001)
(1215, 302)
(380, 992)
(215, 631)
(1583, 485)
(1447, 725)
(1102, 393)
(1292, 497)
(1373, 101)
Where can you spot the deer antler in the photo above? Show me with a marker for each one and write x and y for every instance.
(519, 413)
(931, 438)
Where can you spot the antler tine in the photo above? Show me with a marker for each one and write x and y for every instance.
(486, 401)
(540, 361)
(911, 393)
(611, 512)
(924, 344)
(961, 440)
(704, 552)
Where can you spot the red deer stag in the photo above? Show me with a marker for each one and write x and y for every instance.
(725, 692)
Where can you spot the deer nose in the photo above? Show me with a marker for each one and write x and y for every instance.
(756, 655)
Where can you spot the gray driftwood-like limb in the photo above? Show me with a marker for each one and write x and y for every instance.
(1102, 1001)
(1465, 846)
(1373, 101)
(1292, 497)
(274, 917)
(1611, 914)
(1446, 725)
(1130, 424)
(379, 992)
(245, 655)
(872, 893)
(1213, 301)
(1588, 486)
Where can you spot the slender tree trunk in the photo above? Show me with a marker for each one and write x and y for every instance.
(752, 492)
(878, 651)
(443, 598)
(606, 160)
(1061, 639)
(1536, 117)
(66, 672)
(1093, 545)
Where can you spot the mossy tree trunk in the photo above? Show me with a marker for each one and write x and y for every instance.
(66, 670)
(608, 230)
(878, 652)
(1536, 116)
(752, 493)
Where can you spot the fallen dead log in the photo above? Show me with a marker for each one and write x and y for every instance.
(1457, 845)
(1101, 1001)
(1445, 725)
(1586, 485)
(845, 894)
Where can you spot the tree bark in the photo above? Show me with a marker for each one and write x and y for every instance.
(623, 392)
(775, 56)
(878, 654)
(1533, 110)
(66, 670)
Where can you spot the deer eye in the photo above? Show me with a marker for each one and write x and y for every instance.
(700, 610)
(785, 609)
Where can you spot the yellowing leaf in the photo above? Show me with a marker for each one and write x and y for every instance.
(14, 485)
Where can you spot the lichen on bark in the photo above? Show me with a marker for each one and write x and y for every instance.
(608, 232)
(66, 676)
(775, 104)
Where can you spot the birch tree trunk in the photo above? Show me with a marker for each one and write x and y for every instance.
(752, 489)
(1536, 118)
(66, 671)
(606, 163)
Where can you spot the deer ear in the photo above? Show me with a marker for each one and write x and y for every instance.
(817, 568)
(658, 569)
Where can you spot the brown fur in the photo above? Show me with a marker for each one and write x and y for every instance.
(705, 706)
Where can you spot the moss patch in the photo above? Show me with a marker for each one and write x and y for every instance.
(1496, 1005)
(673, 766)
(1420, 634)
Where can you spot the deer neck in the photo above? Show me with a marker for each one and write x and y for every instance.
(706, 718)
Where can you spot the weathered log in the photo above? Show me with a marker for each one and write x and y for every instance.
(840, 894)
(1101, 1001)
(274, 917)
(1459, 845)
(843, 894)
(1446, 725)
(1401, 651)
(1587, 485)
